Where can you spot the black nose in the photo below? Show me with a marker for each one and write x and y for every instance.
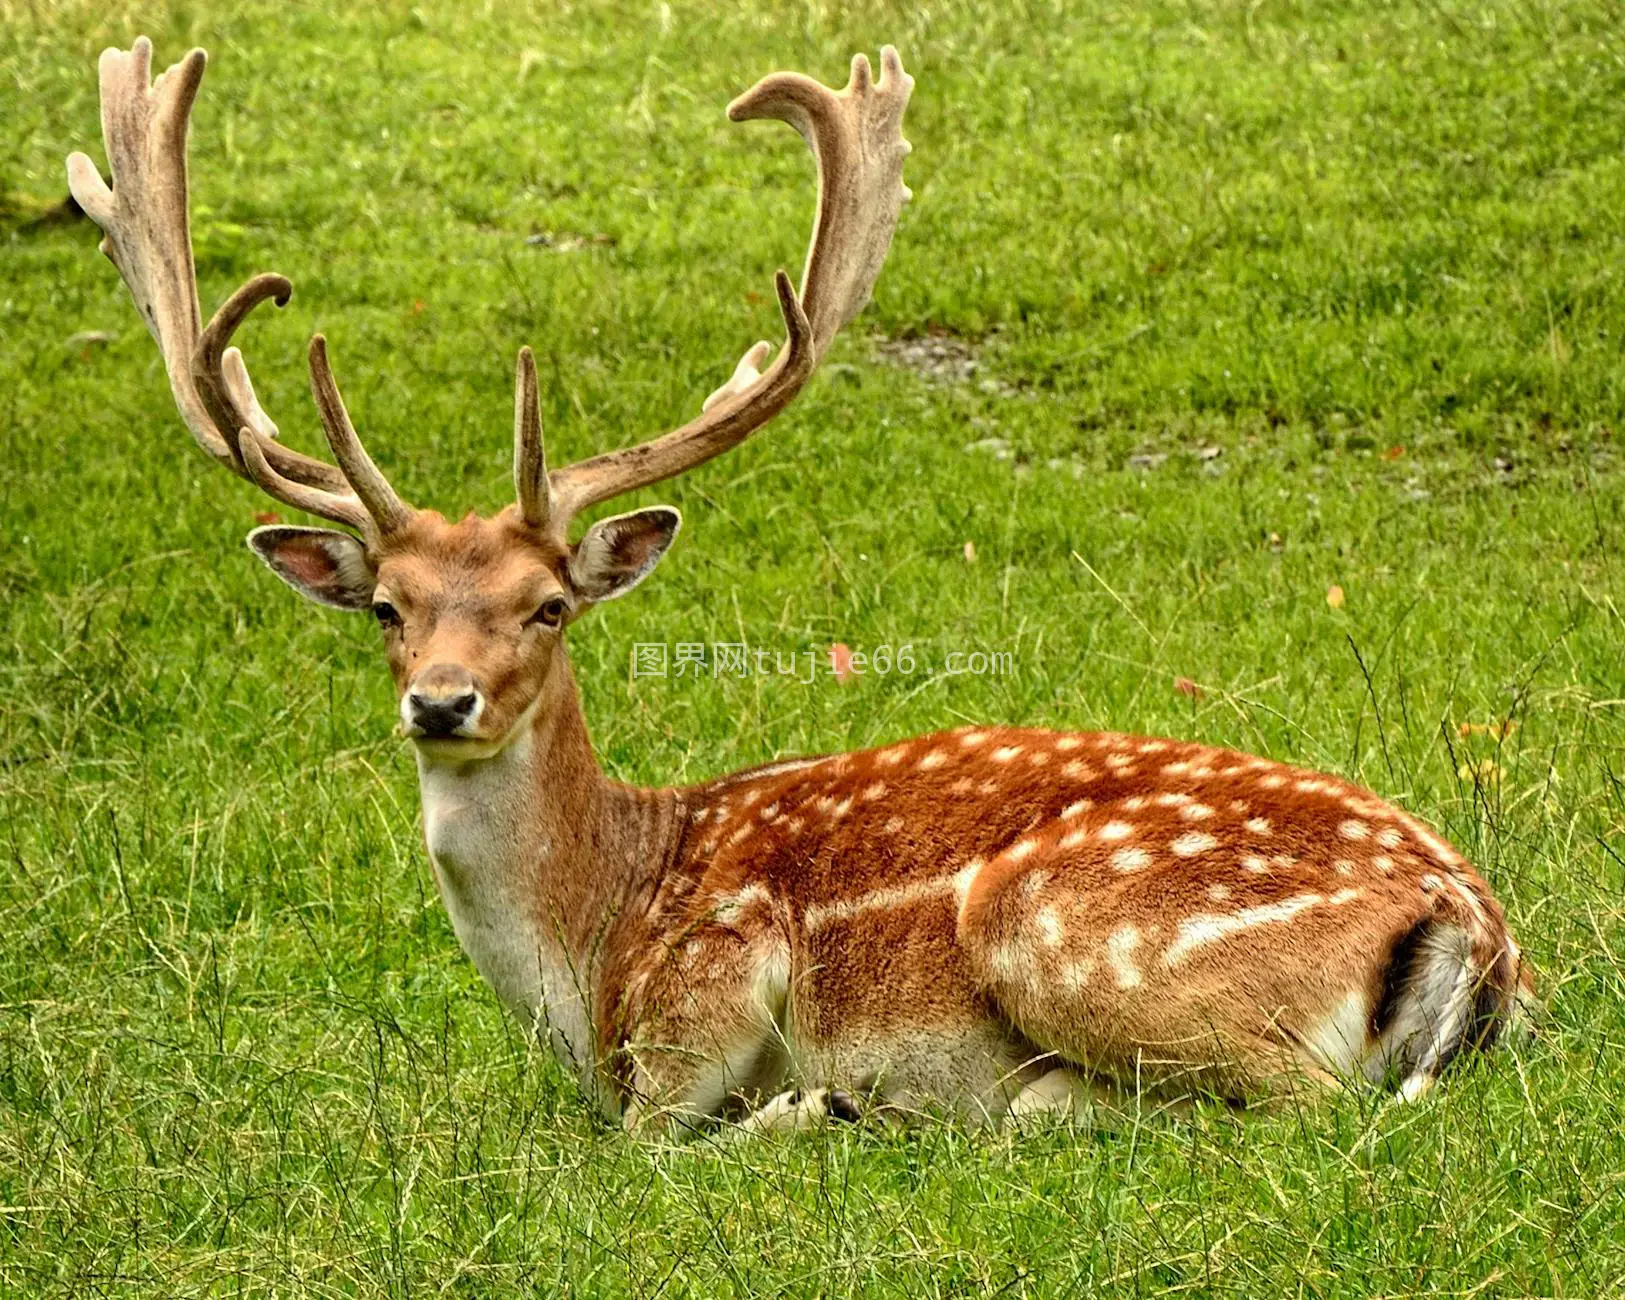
(442, 715)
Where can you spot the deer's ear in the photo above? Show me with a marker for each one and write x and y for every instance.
(617, 553)
(329, 567)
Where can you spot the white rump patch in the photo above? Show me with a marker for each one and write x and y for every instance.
(1341, 1042)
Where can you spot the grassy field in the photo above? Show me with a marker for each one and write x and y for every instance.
(1200, 310)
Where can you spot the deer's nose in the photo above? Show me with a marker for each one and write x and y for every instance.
(443, 702)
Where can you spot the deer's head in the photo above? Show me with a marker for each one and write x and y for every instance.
(472, 613)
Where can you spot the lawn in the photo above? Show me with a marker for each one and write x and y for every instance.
(1200, 311)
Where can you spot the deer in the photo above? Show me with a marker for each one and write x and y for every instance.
(997, 922)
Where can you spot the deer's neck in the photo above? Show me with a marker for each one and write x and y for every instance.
(537, 855)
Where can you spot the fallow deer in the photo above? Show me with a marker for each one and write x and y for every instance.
(995, 920)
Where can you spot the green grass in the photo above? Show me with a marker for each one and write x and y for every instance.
(240, 1052)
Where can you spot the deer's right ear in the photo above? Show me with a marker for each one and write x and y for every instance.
(328, 566)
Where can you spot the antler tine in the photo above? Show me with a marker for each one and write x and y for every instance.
(529, 454)
(146, 234)
(389, 513)
(856, 138)
(339, 508)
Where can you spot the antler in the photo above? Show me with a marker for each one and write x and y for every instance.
(147, 236)
(856, 138)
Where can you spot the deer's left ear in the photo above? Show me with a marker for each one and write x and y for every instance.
(617, 553)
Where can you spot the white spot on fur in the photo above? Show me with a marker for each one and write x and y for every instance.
(1177, 769)
(1153, 746)
(1066, 744)
(1131, 859)
(1191, 843)
(1005, 753)
(1076, 974)
(1072, 839)
(1218, 893)
(729, 908)
(1122, 764)
(1199, 931)
(1050, 924)
(1431, 883)
(1382, 862)
(1021, 850)
(1075, 809)
(1172, 798)
(1354, 830)
(1134, 803)
(1195, 812)
(971, 739)
(1389, 838)
(1344, 896)
(875, 790)
(1272, 782)
(1078, 771)
(891, 757)
(770, 811)
(1038, 757)
(880, 900)
(1120, 946)
(741, 835)
(1259, 825)
(893, 825)
(1116, 831)
(934, 759)
(1253, 863)
(1343, 867)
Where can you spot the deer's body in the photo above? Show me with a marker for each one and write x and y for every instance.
(953, 919)
(990, 919)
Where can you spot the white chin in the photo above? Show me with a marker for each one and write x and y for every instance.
(460, 749)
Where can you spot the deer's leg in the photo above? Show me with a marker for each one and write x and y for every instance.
(704, 1027)
(1062, 1093)
(801, 1109)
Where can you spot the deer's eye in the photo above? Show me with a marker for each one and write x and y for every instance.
(386, 614)
(550, 613)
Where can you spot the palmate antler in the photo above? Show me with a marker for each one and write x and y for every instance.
(856, 138)
(147, 236)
